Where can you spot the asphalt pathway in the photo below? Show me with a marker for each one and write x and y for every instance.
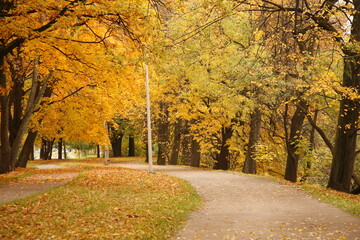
(247, 207)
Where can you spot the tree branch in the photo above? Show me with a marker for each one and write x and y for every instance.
(321, 133)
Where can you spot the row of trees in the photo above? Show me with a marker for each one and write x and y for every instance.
(264, 86)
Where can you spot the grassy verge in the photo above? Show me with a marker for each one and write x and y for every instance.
(347, 202)
(103, 204)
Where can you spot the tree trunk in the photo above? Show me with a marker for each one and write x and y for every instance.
(16, 101)
(195, 153)
(60, 147)
(223, 158)
(131, 146)
(174, 158)
(186, 145)
(5, 164)
(295, 135)
(12, 134)
(255, 124)
(163, 136)
(116, 143)
(312, 148)
(346, 133)
(43, 149)
(37, 91)
(97, 150)
(27, 150)
(106, 156)
(32, 154)
(64, 147)
(46, 149)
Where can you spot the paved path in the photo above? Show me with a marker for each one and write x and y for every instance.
(13, 191)
(34, 184)
(245, 207)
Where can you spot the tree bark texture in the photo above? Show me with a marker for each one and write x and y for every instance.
(5, 165)
(163, 136)
(60, 147)
(195, 153)
(14, 117)
(296, 126)
(186, 144)
(97, 150)
(174, 158)
(116, 138)
(131, 146)
(223, 157)
(346, 134)
(27, 149)
(254, 136)
(46, 149)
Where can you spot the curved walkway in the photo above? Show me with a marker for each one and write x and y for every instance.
(245, 207)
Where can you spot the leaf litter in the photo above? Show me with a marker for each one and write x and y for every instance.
(106, 203)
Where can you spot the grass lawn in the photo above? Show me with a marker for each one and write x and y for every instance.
(103, 203)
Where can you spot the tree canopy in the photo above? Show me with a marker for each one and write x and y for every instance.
(263, 86)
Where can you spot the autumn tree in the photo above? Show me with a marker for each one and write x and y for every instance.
(341, 19)
(81, 44)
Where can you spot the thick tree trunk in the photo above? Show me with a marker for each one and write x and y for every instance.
(46, 149)
(16, 100)
(60, 147)
(345, 142)
(163, 136)
(5, 164)
(97, 150)
(32, 154)
(50, 148)
(116, 143)
(27, 150)
(37, 91)
(195, 153)
(295, 135)
(346, 134)
(186, 145)
(223, 158)
(174, 158)
(255, 124)
(43, 149)
(12, 133)
(131, 146)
